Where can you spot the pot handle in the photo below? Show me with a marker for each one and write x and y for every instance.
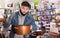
(16, 28)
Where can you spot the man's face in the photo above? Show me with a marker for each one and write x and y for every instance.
(24, 9)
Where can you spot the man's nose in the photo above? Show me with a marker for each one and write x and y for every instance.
(24, 10)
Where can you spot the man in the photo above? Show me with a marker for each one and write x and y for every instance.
(22, 17)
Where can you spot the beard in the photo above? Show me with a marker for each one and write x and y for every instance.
(22, 13)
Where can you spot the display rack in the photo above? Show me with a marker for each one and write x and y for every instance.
(47, 13)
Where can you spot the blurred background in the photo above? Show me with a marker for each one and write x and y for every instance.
(46, 14)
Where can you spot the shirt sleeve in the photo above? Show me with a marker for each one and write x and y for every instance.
(33, 24)
(7, 24)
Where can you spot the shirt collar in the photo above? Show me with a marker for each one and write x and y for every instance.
(21, 15)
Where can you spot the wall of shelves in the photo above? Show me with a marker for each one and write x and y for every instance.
(44, 16)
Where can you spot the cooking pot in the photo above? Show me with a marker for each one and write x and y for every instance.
(22, 29)
(37, 33)
(1, 19)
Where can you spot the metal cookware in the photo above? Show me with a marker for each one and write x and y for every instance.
(22, 29)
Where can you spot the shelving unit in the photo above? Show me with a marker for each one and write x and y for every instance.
(44, 15)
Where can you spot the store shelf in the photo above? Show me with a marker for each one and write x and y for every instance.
(47, 10)
(48, 15)
(43, 20)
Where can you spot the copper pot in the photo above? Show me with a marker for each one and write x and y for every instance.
(22, 29)
(37, 33)
(1, 19)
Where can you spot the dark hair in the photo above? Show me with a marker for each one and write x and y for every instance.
(25, 3)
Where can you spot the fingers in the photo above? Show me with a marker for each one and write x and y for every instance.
(1, 23)
(16, 28)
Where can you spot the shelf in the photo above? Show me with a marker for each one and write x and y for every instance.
(47, 9)
(48, 15)
(43, 20)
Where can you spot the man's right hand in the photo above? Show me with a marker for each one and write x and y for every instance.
(1, 23)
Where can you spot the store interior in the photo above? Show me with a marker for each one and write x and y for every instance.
(46, 14)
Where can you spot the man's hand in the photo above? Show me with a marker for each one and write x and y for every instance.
(7, 33)
(31, 27)
(6, 20)
(1, 23)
